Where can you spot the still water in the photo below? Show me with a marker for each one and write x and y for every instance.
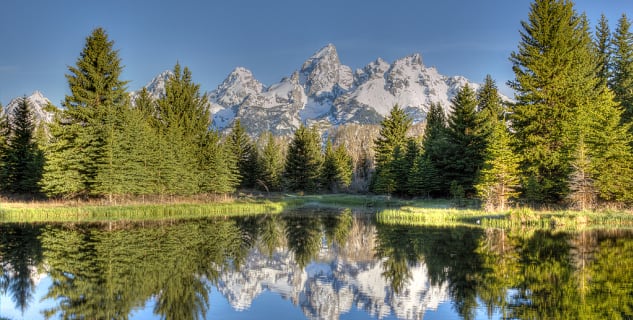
(310, 265)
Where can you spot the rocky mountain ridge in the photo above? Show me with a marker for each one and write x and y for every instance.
(326, 92)
(37, 102)
(323, 91)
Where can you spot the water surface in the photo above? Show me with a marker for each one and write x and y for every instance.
(310, 265)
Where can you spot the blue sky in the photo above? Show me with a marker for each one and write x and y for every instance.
(39, 39)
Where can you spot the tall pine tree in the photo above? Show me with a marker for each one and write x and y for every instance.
(302, 171)
(603, 50)
(183, 124)
(84, 131)
(245, 154)
(23, 159)
(555, 78)
(498, 180)
(622, 61)
(435, 145)
(392, 137)
(271, 163)
(465, 144)
(337, 168)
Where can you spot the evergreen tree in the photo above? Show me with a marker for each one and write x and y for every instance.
(64, 164)
(603, 50)
(23, 158)
(608, 147)
(423, 178)
(498, 180)
(337, 168)
(220, 173)
(271, 164)
(183, 122)
(583, 194)
(85, 127)
(465, 146)
(555, 72)
(435, 145)
(404, 159)
(622, 80)
(245, 154)
(392, 137)
(490, 107)
(303, 161)
(4, 137)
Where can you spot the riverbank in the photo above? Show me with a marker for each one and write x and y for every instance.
(388, 210)
(564, 220)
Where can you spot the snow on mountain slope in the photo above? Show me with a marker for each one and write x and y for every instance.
(37, 102)
(325, 91)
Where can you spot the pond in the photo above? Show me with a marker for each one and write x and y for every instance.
(321, 264)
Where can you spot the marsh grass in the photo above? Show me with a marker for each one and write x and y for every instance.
(513, 219)
(11, 213)
(388, 211)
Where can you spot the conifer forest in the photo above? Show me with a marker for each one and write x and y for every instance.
(565, 138)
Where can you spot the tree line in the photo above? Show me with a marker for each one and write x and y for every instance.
(103, 145)
(566, 139)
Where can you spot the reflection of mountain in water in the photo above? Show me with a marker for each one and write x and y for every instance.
(332, 285)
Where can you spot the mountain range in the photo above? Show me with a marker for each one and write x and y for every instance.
(322, 92)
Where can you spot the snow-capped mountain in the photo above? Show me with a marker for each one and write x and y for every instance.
(327, 92)
(37, 102)
(155, 88)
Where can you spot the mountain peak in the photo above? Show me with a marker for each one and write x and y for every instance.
(323, 72)
(37, 102)
(328, 51)
(410, 60)
(239, 84)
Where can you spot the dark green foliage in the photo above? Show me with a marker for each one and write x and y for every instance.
(220, 173)
(603, 50)
(22, 159)
(464, 152)
(337, 168)
(193, 159)
(498, 180)
(555, 73)
(82, 135)
(4, 136)
(435, 146)
(245, 154)
(302, 170)
(271, 164)
(609, 149)
(391, 140)
(622, 67)
(424, 178)
(490, 108)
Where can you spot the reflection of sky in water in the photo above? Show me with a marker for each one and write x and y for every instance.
(266, 305)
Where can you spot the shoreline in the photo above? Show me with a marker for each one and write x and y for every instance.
(392, 211)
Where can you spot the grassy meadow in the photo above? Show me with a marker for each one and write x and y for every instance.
(388, 210)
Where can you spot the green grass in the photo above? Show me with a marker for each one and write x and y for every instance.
(512, 219)
(137, 211)
(389, 211)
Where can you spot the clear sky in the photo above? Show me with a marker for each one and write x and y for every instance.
(39, 39)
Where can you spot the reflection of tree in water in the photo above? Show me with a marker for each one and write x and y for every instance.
(271, 234)
(449, 254)
(555, 275)
(611, 290)
(20, 256)
(303, 233)
(104, 275)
